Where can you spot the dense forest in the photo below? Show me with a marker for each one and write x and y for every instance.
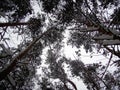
(41, 37)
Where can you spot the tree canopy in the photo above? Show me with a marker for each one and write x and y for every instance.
(93, 24)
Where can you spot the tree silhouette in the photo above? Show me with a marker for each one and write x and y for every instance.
(89, 25)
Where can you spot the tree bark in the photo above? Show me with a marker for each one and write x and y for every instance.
(10, 67)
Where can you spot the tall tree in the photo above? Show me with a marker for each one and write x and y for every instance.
(91, 26)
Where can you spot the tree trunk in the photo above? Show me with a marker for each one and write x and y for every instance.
(10, 67)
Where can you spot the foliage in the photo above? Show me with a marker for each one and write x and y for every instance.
(42, 42)
(15, 10)
(55, 35)
(84, 39)
(49, 5)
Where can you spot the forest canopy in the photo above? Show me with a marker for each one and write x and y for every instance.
(31, 41)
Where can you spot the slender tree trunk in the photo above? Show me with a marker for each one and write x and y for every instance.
(10, 67)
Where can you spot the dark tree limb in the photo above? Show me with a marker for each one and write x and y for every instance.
(13, 24)
(72, 83)
(113, 51)
(10, 67)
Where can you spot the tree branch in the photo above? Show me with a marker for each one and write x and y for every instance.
(13, 24)
(112, 51)
(10, 67)
(72, 83)
(107, 66)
